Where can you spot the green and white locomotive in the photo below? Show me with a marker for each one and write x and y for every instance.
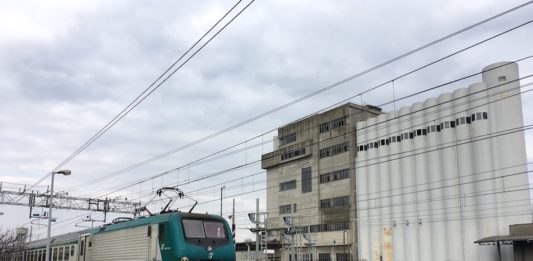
(173, 236)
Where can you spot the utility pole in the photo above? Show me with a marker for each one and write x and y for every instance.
(221, 197)
(233, 220)
(50, 207)
(257, 229)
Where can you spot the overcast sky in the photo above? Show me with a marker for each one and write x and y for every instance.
(67, 67)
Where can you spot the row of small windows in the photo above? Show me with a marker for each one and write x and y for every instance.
(421, 132)
(307, 180)
(293, 153)
(334, 150)
(322, 257)
(338, 257)
(339, 122)
(58, 254)
(287, 185)
(335, 202)
(287, 209)
(329, 227)
(287, 138)
(335, 175)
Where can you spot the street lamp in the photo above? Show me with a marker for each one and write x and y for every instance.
(221, 193)
(65, 172)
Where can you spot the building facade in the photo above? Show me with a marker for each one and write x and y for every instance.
(434, 177)
(310, 183)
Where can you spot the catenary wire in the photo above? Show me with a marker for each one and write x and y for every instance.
(431, 88)
(327, 87)
(152, 87)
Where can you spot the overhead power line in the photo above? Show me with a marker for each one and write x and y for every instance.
(410, 95)
(350, 78)
(169, 72)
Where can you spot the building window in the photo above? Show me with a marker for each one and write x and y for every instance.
(323, 127)
(285, 209)
(339, 122)
(307, 184)
(324, 257)
(342, 256)
(485, 116)
(335, 202)
(293, 153)
(336, 123)
(307, 257)
(335, 149)
(287, 185)
(335, 175)
(287, 139)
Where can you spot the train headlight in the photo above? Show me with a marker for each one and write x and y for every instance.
(209, 248)
(184, 258)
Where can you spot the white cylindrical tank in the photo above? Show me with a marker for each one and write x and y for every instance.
(505, 114)
(384, 180)
(468, 204)
(361, 172)
(420, 178)
(483, 168)
(438, 244)
(448, 166)
(408, 184)
(373, 190)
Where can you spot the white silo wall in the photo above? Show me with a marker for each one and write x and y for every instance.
(408, 191)
(384, 181)
(399, 231)
(468, 204)
(362, 190)
(451, 200)
(501, 80)
(373, 190)
(433, 180)
(419, 159)
(438, 192)
(392, 164)
(483, 168)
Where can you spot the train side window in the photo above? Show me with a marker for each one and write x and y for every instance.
(60, 254)
(71, 250)
(161, 232)
(149, 233)
(66, 253)
(82, 247)
(54, 255)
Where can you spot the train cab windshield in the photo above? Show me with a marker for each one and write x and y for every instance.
(194, 228)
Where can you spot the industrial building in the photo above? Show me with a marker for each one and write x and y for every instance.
(310, 185)
(434, 177)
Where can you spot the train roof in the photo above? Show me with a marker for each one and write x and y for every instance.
(64, 239)
(73, 237)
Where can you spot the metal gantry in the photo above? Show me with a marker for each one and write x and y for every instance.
(36, 199)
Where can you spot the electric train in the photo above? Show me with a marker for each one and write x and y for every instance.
(174, 236)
